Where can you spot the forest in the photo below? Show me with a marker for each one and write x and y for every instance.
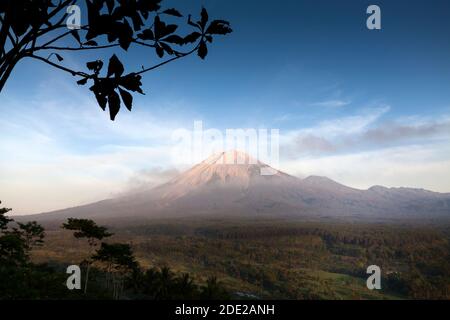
(229, 258)
(110, 269)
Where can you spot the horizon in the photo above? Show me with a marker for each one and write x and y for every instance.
(360, 107)
(237, 154)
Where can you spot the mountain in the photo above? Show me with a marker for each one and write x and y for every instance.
(231, 183)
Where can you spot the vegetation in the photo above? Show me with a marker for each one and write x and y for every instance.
(39, 30)
(87, 229)
(116, 273)
(292, 259)
(254, 259)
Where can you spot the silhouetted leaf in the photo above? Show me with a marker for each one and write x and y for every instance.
(146, 6)
(159, 51)
(127, 98)
(101, 100)
(125, 34)
(82, 82)
(59, 57)
(147, 34)
(137, 21)
(75, 34)
(114, 104)
(202, 50)
(161, 29)
(91, 43)
(110, 4)
(174, 39)
(115, 67)
(191, 38)
(132, 82)
(219, 27)
(95, 66)
(173, 12)
(166, 48)
(204, 18)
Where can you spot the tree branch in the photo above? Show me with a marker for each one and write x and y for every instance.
(181, 55)
(72, 72)
(76, 49)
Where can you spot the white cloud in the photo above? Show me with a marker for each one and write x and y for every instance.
(331, 103)
(412, 166)
(65, 152)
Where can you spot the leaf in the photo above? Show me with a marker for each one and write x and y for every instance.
(101, 100)
(162, 30)
(204, 18)
(146, 6)
(91, 43)
(115, 67)
(159, 50)
(137, 21)
(82, 82)
(173, 12)
(114, 104)
(132, 82)
(110, 4)
(147, 34)
(174, 39)
(171, 28)
(59, 57)
(75, 34)
(95, 66)
(202, 50)
(166, 48)
(125, 35)
(219, 27)
(191, 38)
(127, 98)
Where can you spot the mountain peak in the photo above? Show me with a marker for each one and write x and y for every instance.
(232, 157)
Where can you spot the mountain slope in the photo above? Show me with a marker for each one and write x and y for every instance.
(230, 183)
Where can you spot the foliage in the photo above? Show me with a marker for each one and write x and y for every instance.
(163, 284)
(85, 228)
(117, 271)
(26, 27)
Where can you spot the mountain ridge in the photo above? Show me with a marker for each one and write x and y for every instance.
(231, 183)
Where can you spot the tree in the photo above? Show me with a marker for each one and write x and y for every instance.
(3, 219)
(213, 290)
(16, 269)
(32, 233)
(119, 261)
(16, 243)
(35, 29)
(185, 288)
(85, 228)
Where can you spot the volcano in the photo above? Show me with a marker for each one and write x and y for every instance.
(232, 183)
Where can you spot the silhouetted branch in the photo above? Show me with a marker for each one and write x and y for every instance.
(72, 72)
(122, 23)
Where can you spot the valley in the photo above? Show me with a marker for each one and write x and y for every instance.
(276, 258)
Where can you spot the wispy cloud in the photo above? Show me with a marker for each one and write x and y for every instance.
(63, 151)
(366, 131)
(421, 166)
(331, 103)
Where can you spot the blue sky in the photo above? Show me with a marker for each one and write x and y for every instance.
(362, 107)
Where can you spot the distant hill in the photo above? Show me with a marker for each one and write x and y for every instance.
(230, 183)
